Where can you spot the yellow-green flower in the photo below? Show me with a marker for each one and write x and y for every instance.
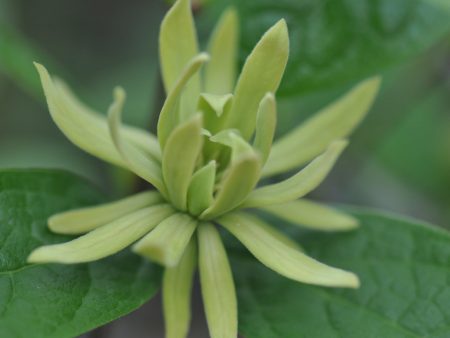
(214, 145)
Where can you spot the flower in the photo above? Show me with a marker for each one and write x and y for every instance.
(213, 146)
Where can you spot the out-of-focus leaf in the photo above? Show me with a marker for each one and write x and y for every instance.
(417, 149)
(59, 300)
(337, 42)
(16, 60)
(403, 266)
(21, 152)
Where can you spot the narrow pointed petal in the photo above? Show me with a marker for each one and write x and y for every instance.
(201, 189)
(215, 102)
(238, 182)
(169, 117)
(281, 258)
(142, 165)
(262, 73)
(105, 240)
(214, 108)
(146, 142)
(220, 73)
(333, 122)
(231, 138)
(83, 220)
(280, 236)
(167, 243)
(266, 121)
(313, 215)
(301, 183)
(219, 296)
(179, 158)
(176, 293)
(84, 128)
(177, 46)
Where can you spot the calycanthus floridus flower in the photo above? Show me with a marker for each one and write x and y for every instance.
(214, 145)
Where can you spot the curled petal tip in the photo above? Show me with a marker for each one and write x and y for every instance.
(37, 64)
(203, 57)
(269, 96)
(119, 93)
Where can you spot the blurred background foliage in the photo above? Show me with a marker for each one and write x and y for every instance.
(399, 158)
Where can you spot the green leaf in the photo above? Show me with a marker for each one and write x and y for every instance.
(17, 54)
(422, 137)
(405, 281)
(59, 300)
(338, 42)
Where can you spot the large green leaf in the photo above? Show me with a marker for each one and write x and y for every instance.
(16, 59)
(422, 137)
(405, 285)
(339, 41)
(59, 300)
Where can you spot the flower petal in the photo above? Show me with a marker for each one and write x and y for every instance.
(219, 296)
(286, 240)
(83, 220)
(266, 121)
(180, 155)
(177, 46)
(146, 142)
(337, 120)
(215, 102)
(238, 182)
(201, 188)
(176, 293)
(220, 73)
(168, 241)
(231, 138)
(281, 258)
(215, 109)
(262, 73)
(87, 130)
(142, 165)
(313, 215)
(169, 117)
(105, 240)
(301, 183)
